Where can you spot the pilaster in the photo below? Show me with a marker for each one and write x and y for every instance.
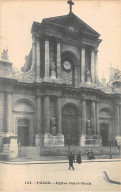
(117, 121)
(83, 65)
(83, 116)
(59, 116)
(34, 53)
(58, 60)
(9, 112)
(47, 114)
(47, 68)
(38, 58)
(93, 117)
(93, 66)
(39, 114)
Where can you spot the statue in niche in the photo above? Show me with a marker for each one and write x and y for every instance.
(88, 72)
(89, 129)
(53, 125)
(4, 54)
(53, 66)
(88, 124)
(53, 70)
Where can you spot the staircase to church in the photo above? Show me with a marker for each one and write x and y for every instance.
(36, 152)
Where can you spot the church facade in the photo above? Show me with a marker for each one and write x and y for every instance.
(57, 100)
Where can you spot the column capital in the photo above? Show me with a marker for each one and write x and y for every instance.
(46, 38)
(82, 47)
(83, 97)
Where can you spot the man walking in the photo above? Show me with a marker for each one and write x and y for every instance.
(71, 160)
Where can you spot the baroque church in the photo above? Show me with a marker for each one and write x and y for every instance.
(56, 100)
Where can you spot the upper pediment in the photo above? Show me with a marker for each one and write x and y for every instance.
(71, 23)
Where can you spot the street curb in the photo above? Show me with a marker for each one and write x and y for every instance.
(53, 162)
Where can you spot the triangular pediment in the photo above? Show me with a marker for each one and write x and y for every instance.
(71, 22)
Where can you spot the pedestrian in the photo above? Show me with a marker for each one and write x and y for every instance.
(88, 155)
(91, 155)
(71, 160)
(78, 158)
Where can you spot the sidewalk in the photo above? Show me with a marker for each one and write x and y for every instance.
(23, 161)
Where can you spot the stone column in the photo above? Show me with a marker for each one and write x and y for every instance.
(39, 136)
(34, 54)
(96, 67)
(9, 113)
(77, 76)
(38, 114)
(47, 68)
(59, 137)
(38, 58)
(82, 65)
(47, 114)
(83, 116)
(93, 66)
(5, 113)
(59, 116)
(117, 120)
(93, 117)
(97, 119)
(58, 60)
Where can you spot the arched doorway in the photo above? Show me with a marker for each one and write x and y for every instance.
(23, 132)
(70, 125)
(24, 122)
(106, 125)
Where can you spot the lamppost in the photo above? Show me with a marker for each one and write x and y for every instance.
(111, 143)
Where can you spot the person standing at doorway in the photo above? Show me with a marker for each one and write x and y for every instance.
(71, 160)
(78, 158)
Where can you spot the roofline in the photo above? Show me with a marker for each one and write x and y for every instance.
(71, 14)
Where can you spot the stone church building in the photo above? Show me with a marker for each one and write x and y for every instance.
(56, 100)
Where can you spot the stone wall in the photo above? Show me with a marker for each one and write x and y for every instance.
(1, 111)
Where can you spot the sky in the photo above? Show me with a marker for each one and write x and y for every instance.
(16, 18)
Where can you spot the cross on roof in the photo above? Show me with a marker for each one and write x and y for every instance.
(70, 2)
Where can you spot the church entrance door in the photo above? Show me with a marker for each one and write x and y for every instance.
(104, 134)
(23, 132)
(70, 125)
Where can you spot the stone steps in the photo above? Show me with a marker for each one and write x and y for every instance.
(33, 152)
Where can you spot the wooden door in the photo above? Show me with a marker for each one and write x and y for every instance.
(70, 126)
(23, 132)
(104, 134)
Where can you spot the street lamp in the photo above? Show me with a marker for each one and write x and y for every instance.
(111, 140)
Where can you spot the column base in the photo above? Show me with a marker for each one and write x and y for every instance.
(53, 80)
(89, 85)
(118, 139)
(50, 140)
(39, 139)
(10, 146)
(38, 79)
(94, 140)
